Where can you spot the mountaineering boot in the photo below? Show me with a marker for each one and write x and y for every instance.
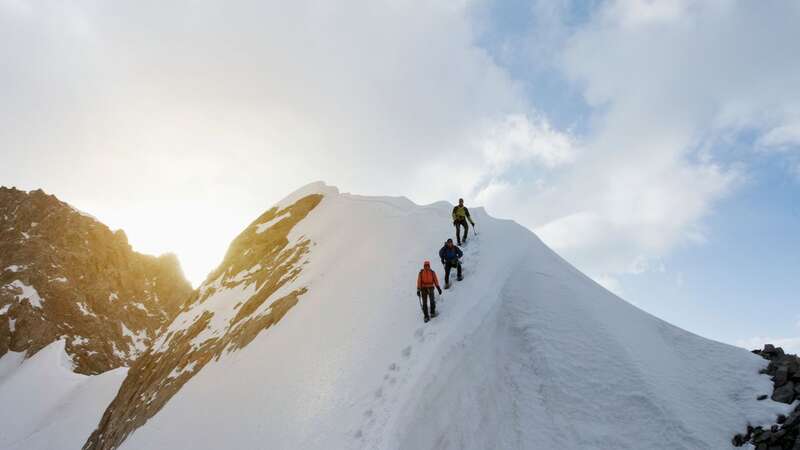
(426, 319)
(459, 278)
(434, 314)
(447, 285)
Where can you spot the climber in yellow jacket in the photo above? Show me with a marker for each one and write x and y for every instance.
(460, 218)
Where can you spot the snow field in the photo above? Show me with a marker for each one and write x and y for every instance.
(46, 406)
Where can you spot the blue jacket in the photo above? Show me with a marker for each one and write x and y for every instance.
(450, 254)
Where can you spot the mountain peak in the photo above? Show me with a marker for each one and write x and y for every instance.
(316, 187)
(66, 276)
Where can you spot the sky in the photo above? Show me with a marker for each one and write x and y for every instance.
(653, 144)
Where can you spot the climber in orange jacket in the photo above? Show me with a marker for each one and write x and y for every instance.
(426, 282)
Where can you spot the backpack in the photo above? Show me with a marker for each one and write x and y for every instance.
(430, 279)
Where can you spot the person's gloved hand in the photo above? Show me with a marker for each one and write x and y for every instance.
(439, 289)
(455, 222)
(419, 293)
(442, 261)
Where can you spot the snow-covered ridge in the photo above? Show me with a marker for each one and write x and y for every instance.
(318, 343)
(315, 188)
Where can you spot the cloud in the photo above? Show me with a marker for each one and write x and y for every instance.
(666, 84)
(782, 137)
(520, 139)
(192, 117)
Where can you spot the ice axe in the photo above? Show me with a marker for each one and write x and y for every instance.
(474, 230)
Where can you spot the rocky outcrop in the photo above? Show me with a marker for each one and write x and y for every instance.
(783, 435)
(239, 300)
(65, 275)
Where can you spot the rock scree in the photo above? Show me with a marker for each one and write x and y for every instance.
(783, 435)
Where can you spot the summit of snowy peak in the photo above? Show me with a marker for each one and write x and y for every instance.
(316, 187)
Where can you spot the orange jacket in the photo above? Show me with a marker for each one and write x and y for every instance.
(427, 279)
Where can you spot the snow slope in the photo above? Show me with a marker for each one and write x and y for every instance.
(45, 405)
(526, 353)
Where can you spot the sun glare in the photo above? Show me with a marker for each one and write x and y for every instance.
(197, 234)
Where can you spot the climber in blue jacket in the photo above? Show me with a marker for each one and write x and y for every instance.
(450, 255)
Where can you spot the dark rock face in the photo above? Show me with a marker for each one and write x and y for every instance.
(228, 311)
(783, 435)
(784, 393)
(64, 275)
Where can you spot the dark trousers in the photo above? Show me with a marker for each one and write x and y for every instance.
(458, 224)
(427, 295)
(449, 265)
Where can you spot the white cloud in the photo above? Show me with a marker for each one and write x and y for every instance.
(16, 7)
(520, 139)
(612, 216)
(679, 280)
(667, 83)
(632, 13)
(782, 137)
(202, 114)
(217, 110)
